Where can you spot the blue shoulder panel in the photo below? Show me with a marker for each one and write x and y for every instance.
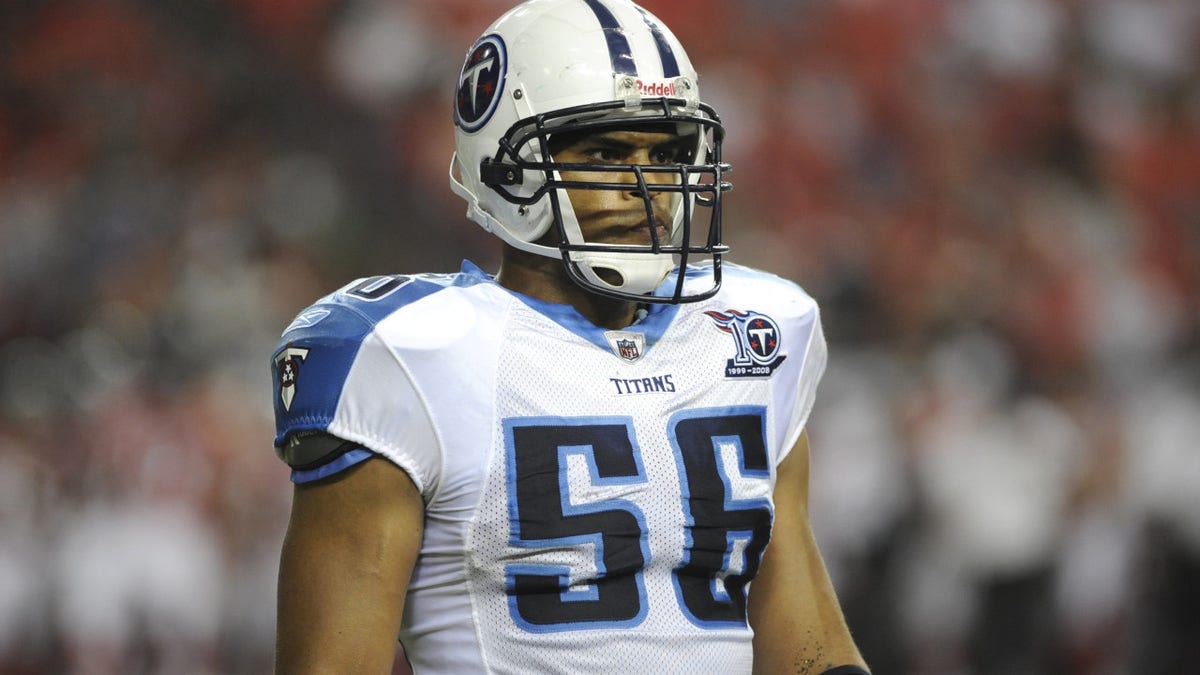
(311, 364)
(318, 348)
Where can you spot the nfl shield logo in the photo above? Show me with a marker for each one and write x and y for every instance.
(627, 349)
(628, 346)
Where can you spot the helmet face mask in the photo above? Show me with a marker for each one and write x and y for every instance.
(505, 142)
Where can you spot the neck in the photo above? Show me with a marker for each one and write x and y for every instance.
(545, 279)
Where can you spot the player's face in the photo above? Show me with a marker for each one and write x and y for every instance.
(619, 216)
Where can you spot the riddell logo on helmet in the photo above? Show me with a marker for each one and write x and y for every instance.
(657, 88)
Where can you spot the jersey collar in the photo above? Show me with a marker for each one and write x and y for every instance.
(653, 325)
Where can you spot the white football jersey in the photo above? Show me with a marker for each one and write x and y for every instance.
(596, 501)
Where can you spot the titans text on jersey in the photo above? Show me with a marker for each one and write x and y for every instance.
(661, 384)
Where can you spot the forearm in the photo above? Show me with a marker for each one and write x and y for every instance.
(799, 626)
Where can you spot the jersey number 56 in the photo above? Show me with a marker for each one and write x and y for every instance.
(724, 536)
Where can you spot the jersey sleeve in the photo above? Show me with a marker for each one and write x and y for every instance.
(815, 358)
(341, 396)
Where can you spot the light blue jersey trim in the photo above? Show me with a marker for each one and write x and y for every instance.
(340, 464)
(656, 322)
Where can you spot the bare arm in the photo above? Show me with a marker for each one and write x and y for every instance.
(798, 625)
(347, 558)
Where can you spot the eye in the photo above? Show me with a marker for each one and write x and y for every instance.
(673, 154)
(605, 154)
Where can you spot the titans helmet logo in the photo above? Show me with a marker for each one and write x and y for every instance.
(287, 370)
(756, 339)
(481, 83)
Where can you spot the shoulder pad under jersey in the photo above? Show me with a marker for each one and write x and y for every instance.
(318, 347)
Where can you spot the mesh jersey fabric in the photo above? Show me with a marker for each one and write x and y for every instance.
(595, 500)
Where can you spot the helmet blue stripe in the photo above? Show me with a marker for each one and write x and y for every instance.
(619, 51)
(670, 65)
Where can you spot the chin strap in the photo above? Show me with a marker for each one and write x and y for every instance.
(847, 670)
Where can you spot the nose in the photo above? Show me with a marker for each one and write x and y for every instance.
(648, 178)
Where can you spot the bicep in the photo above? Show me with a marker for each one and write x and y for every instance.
(798, 624)
(347, 557)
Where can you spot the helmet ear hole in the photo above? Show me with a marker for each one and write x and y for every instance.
(610, 276)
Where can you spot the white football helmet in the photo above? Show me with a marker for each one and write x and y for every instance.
(551, 66)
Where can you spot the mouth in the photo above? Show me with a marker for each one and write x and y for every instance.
(643, 231)
(627, 231)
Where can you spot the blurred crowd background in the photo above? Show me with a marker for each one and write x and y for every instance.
(997, 203)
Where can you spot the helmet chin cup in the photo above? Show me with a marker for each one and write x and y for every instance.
(617, 68)
(625, 275)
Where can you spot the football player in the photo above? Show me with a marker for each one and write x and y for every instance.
(594, 461)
